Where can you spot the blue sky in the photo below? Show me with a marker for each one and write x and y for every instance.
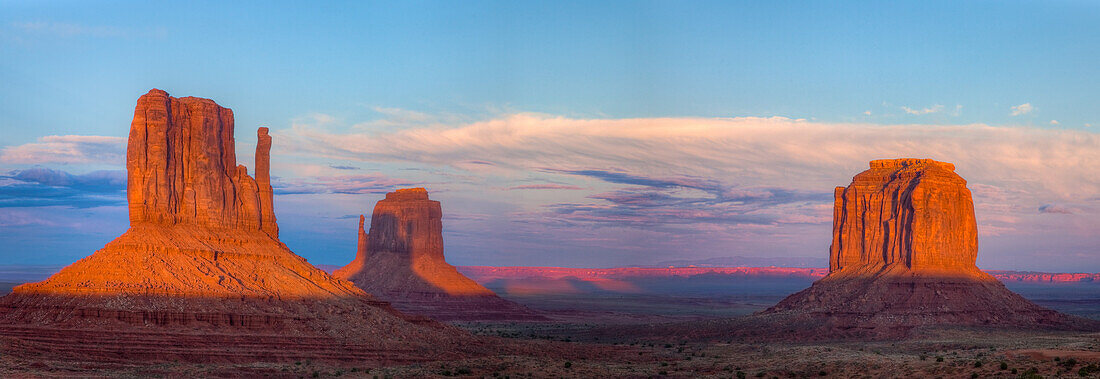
(568, 133)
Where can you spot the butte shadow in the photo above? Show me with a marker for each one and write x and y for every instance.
(903, 258)
(401, 261)
(201, 275)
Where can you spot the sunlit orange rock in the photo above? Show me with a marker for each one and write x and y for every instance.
(903, 256)
(401, 261)
(201, 273)
(263, 181)
(910, 213)
(183, 168)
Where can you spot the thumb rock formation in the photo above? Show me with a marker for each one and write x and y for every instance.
(904, 246)
(201, 273)
(401, 261)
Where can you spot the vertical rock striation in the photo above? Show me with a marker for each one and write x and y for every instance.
(401, 261)
(182, 167)
(914, 214)
(407, 224)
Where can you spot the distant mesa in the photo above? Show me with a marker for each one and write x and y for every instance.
(201, 274)
(401, 261)
(903, 256)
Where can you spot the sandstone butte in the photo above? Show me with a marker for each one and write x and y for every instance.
(201, 274)
(401, 261)
(902, 259)
(903, 256)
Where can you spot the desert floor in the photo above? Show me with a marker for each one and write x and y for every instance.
(947, 353)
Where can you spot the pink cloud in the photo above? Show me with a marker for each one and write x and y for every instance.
(342, 184)
(748, 151)
(69, 149)
(545, 187)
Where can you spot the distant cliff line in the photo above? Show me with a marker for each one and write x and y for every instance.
(486, 273)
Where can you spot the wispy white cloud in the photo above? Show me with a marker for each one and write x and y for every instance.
(1022, 109)
(69, 149)
(545, 187)
(742, 181)
(921, 111)
(745, 151)
(340, 184)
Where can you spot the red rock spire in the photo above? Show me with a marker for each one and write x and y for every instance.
(364, 240)
(263, 181)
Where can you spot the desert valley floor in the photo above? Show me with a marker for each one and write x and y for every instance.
(580, 309)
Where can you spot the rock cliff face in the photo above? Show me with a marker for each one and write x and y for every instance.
(408, 225)
(201, 273)
(183, 168)
(916, 214)
(903, 252)
(401, 261)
